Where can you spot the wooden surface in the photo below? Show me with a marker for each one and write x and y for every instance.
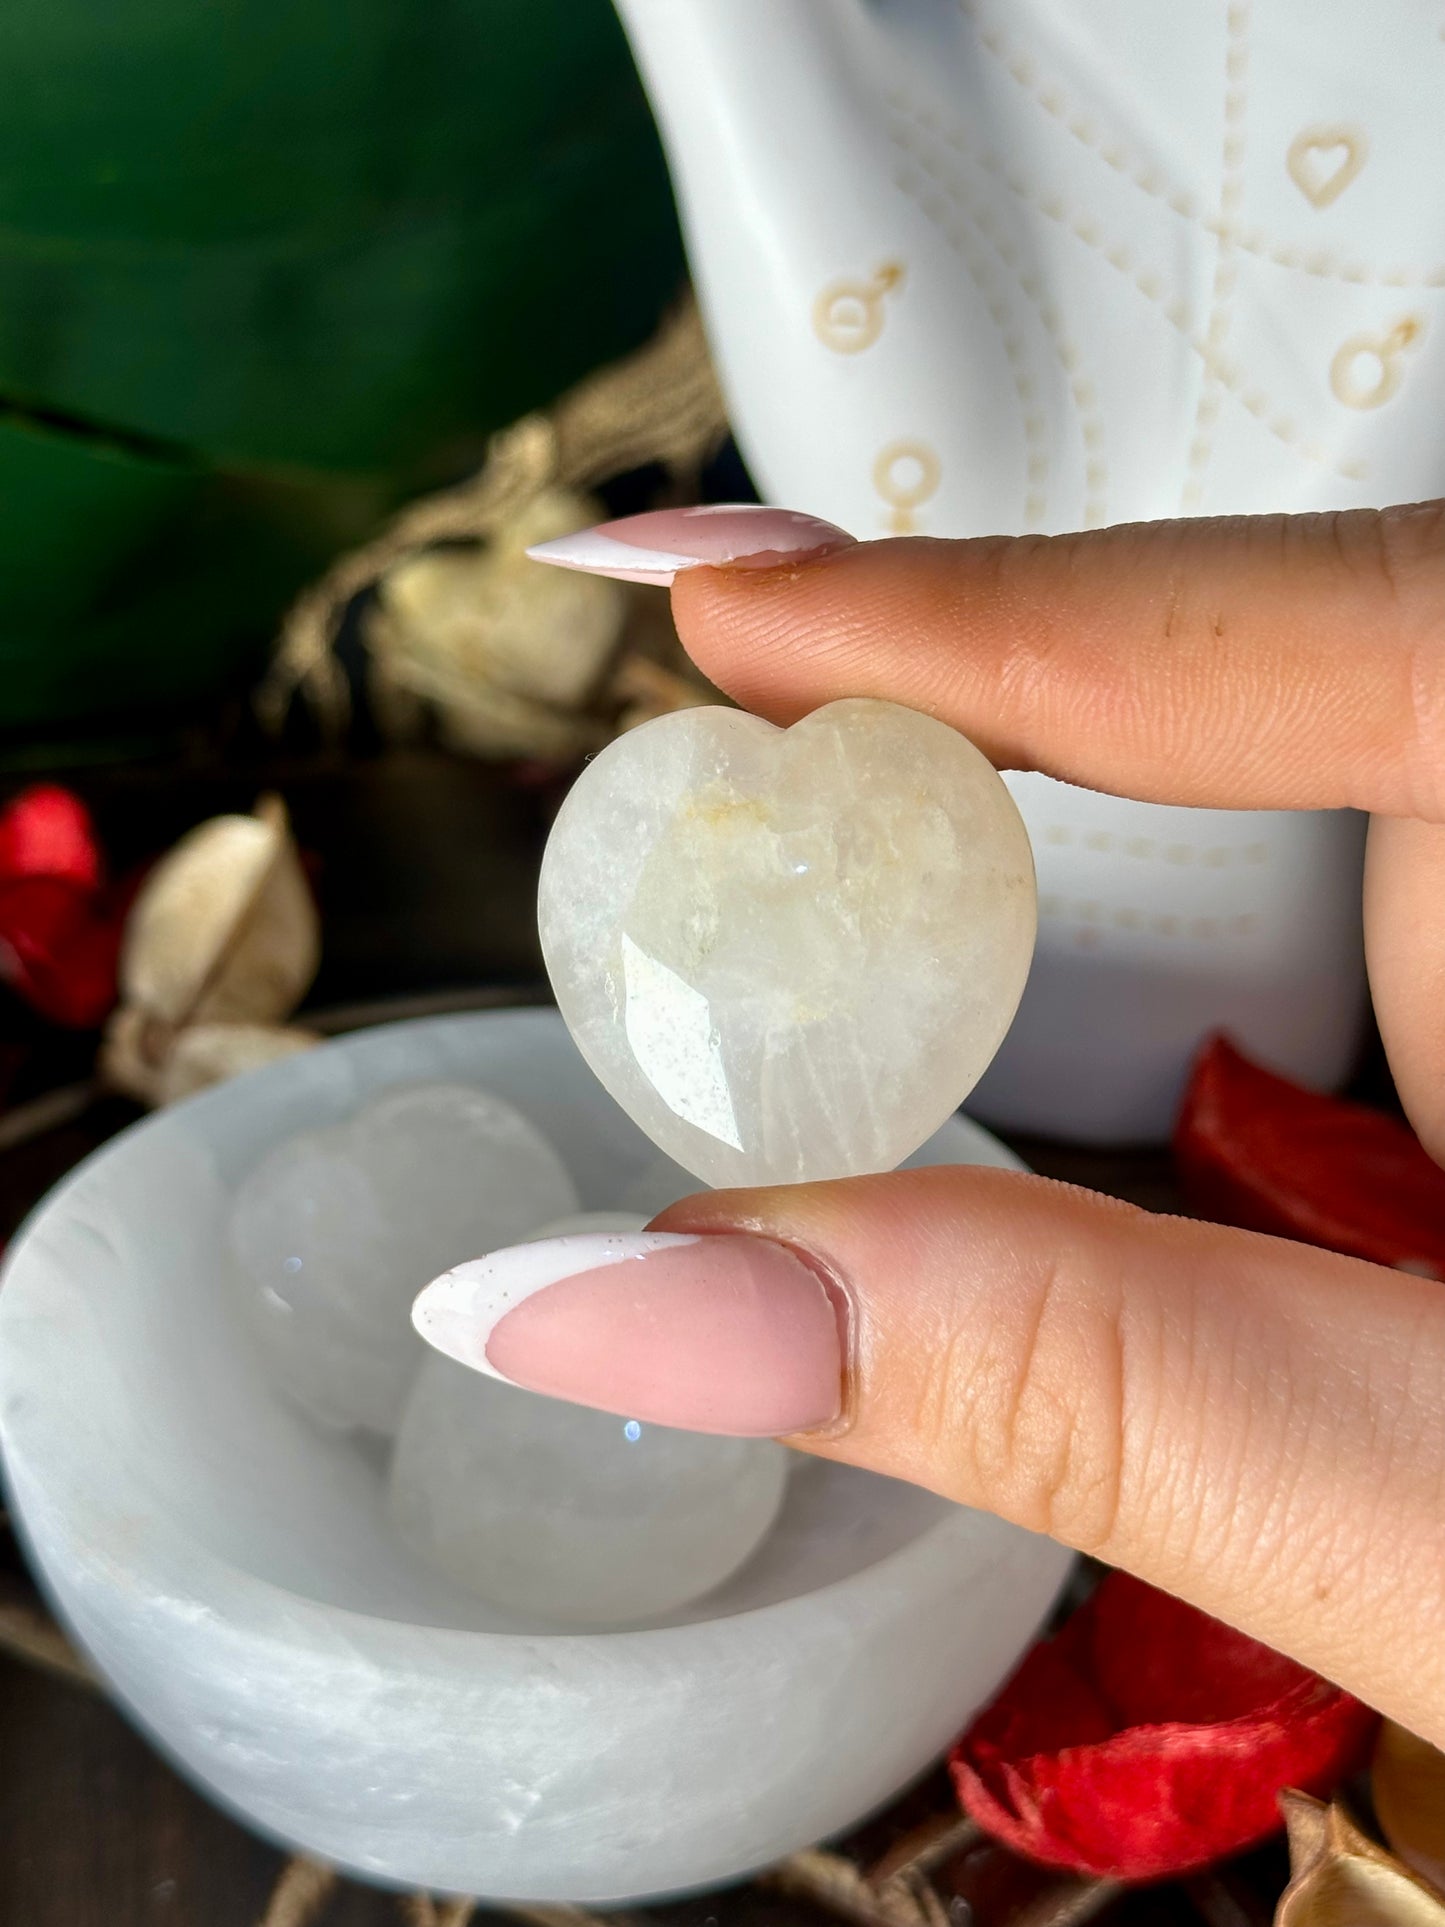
(425, 870)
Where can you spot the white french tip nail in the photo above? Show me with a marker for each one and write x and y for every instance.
(457, 1313)
(597, 554)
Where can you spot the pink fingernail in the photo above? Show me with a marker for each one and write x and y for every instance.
(659, 545)
(718, 1333)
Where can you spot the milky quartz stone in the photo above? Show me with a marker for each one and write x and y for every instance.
(573, 1517)
(789, 954)
(231, 1569)
(335, 1232)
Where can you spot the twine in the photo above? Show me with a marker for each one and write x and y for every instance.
(299, 1895)
(537, 1913)
(660, 405)
(420, 1910)
(900, 1890)
(840, 1888)
(28, 1632)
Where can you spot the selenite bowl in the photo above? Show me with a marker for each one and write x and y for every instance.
(229, 1567)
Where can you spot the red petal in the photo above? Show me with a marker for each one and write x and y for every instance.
(1255, 1150)
(46, 831)
(59, 948)
(1156, 1659)
(1147, 1739)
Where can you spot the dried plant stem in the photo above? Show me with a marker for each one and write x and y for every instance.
(937, 1841)
(420, 1910)
(899, 1891)
(901, 1878)
(835, 1884)
(55, 1109)
(27, 1632)
(1069, 1904)
(302, 1891)
(540, 1914)
(50, 1112)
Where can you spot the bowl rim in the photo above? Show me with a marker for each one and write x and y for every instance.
(90, 1548)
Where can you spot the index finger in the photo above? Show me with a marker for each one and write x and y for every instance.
(1280, 662)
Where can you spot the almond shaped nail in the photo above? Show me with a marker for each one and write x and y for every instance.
(718, 1333)
(659, 545)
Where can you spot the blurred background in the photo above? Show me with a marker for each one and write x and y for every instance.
(269, 277)
(312, 317)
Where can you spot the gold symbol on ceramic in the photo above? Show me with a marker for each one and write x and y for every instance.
(1322, 161)
(848, 315)
(906, 475)
(1368, 369)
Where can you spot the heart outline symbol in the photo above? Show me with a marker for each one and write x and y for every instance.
(1312, 145)
(788, 954)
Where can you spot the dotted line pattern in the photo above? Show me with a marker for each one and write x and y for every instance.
(981, 271)
(1091, 918)
(1319, 262)
(1226, 263)
(913, 119)
(1081, 388)
(1046, 93)
(1084, 394)
(1149, 849)
(942, 212)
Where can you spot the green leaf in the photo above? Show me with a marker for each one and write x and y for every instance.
(349, 234)
(132, 585)
(71, 512)
(323, 247)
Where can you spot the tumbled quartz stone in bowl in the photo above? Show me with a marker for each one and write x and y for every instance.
(230, 1567)
(336, 1231)
(574, 1517)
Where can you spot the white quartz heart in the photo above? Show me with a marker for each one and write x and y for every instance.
(789, 954)
(573, 1517)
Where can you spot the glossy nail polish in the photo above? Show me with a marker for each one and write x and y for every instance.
(717, 1333)
(659, 545)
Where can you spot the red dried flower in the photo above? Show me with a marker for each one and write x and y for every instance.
(1147, 1739)
(47, 832)
(60, 927)
(1253, 1149)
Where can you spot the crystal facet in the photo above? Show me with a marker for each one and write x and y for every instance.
(337, 1230)
(789, 954)
(569, 1516)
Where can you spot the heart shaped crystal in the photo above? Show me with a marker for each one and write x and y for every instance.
(789, 954)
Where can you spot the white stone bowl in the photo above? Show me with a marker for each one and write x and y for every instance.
(230, 1571)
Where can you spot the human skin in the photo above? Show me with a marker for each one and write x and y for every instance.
(1253, 1424)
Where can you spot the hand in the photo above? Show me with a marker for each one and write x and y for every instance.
(1255, 1425)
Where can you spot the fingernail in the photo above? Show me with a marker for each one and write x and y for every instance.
(659, 545)
(717, 1333)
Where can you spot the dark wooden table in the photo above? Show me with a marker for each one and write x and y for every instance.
(425, 868)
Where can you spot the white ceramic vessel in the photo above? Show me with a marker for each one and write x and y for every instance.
(229, 1567)
(989, 266)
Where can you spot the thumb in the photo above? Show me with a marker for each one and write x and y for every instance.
(1254, 1425)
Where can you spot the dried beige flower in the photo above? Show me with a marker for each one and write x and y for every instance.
(509, 654)
(1340, 1878)
(1408, 1785)
(191, 1060)
(221, 946)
